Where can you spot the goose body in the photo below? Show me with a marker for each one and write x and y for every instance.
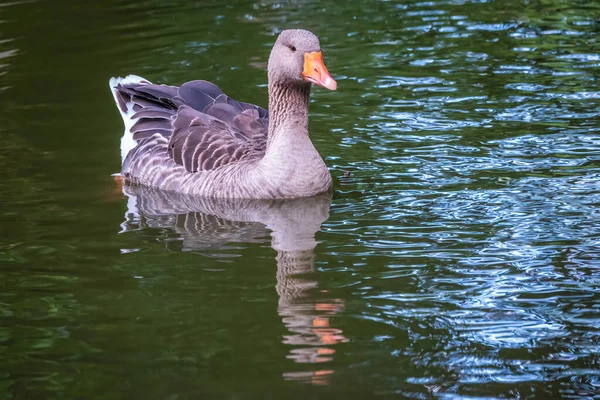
(196, 140)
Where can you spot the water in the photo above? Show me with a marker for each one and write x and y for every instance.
(458, 255)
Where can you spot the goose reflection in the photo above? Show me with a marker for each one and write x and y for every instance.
(204, 225)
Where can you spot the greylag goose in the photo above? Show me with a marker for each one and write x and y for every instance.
(196, 140)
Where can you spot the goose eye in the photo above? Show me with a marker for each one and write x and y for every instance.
(292, 48)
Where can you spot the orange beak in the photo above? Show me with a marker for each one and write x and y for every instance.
(315, 71)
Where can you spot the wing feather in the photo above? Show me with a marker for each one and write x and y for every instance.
(205, 128)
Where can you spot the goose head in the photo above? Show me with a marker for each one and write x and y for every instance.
(296, 58)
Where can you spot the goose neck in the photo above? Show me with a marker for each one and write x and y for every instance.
(288, 108)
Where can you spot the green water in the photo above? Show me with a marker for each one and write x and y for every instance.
(458, 256)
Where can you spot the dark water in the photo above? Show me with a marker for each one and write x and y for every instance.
(460, 257)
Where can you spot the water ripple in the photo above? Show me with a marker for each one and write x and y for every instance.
(460, 257)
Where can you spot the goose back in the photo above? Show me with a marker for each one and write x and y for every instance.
(202, 127)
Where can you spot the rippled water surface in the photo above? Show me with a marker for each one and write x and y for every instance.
(458, 255)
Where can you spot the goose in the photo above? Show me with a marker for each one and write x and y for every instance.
(196, 140)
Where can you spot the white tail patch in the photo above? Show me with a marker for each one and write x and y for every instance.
(127, 142)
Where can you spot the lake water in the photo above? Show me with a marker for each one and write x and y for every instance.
(459, 255)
